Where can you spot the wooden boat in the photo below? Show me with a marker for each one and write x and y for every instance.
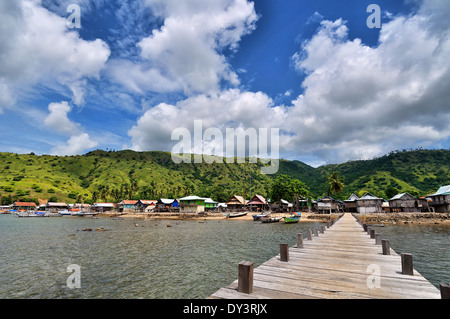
(260, 216)
(294, 218)
(232, 215)
(270, 219)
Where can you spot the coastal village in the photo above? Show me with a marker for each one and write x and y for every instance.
(194, 206)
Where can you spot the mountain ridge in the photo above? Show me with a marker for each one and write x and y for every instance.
(114, 175)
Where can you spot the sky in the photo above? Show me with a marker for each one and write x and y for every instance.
(133, 72)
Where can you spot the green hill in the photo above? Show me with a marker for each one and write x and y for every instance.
(112, 176)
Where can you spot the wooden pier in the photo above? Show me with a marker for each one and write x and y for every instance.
(342, 261)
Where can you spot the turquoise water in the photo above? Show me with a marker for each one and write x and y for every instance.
(150, 260)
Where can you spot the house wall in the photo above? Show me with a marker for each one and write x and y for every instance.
(371, 206)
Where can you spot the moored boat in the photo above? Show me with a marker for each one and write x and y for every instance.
(260, 216)
(232, 215)
(270, 219)
(294, 218)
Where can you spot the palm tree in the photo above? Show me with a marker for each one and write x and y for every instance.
(335, 183)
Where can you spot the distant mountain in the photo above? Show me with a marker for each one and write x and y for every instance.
(112, 176)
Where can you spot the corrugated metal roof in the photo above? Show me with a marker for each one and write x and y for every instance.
(444, 190)
(352, 198)
(193, 198)
(369, 196)
(24, 204)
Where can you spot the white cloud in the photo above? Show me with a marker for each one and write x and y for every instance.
(77, 144)
(361, 101)
(58, 121)
(185, 54)
(227, 109)
(39, 48)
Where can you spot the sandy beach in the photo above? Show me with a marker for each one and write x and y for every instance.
(306, 217)
(391, 218)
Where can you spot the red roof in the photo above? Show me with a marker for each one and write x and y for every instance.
(257, 199)
(25, 204)
(129, 201)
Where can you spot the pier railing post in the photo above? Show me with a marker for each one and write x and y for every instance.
(300, 240)
(377, 239)
(386, 247)
(445, 290)
(245, 277)
(407, 264)
(322, 229)
(309, 234)
(284, 252)
(372, 233)
(316, 233)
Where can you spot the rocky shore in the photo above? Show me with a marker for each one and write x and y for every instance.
(406, 218)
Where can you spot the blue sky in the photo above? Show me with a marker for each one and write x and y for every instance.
(137, 70)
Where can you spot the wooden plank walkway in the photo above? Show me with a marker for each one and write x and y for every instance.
(341, 263)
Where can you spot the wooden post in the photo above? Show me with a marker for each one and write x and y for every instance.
(284, 252)
(328, 224)
(300, 240)
(372, 233)
(386, 247)
(377, 239)
(407, 265)
(309, 234)
(364, 227)
(445, 290)
(316, 233)
(245, 277)
(322, 229)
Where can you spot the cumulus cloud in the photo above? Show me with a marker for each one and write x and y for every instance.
(185, 54)
(77, 144)
(232, 109)
(358, 101)
(362, 101)
(37, 47)
(58, 121)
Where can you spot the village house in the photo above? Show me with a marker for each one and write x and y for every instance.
(407, 203)
(145, 206)
(440, 201)
(282, 207)
(210, 205)
(258, 203)
(350, 203)
(24, 206)
(328, 205)
(54, 207)
(236, 203)
(369, 204)
(167, 205)
(127, 205)
(102, 207)
(192, 204)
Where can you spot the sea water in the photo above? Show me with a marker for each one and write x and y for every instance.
(144, 258)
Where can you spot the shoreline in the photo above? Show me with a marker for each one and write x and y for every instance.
(406, 218)
(379, 218)
(306, 217)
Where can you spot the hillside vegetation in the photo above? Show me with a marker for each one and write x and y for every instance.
(113, 176)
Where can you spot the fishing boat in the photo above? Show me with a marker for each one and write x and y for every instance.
(270, 219)
(260, 216)
(64, 212)
(31, 213)
(294, 218)
(232, 215)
